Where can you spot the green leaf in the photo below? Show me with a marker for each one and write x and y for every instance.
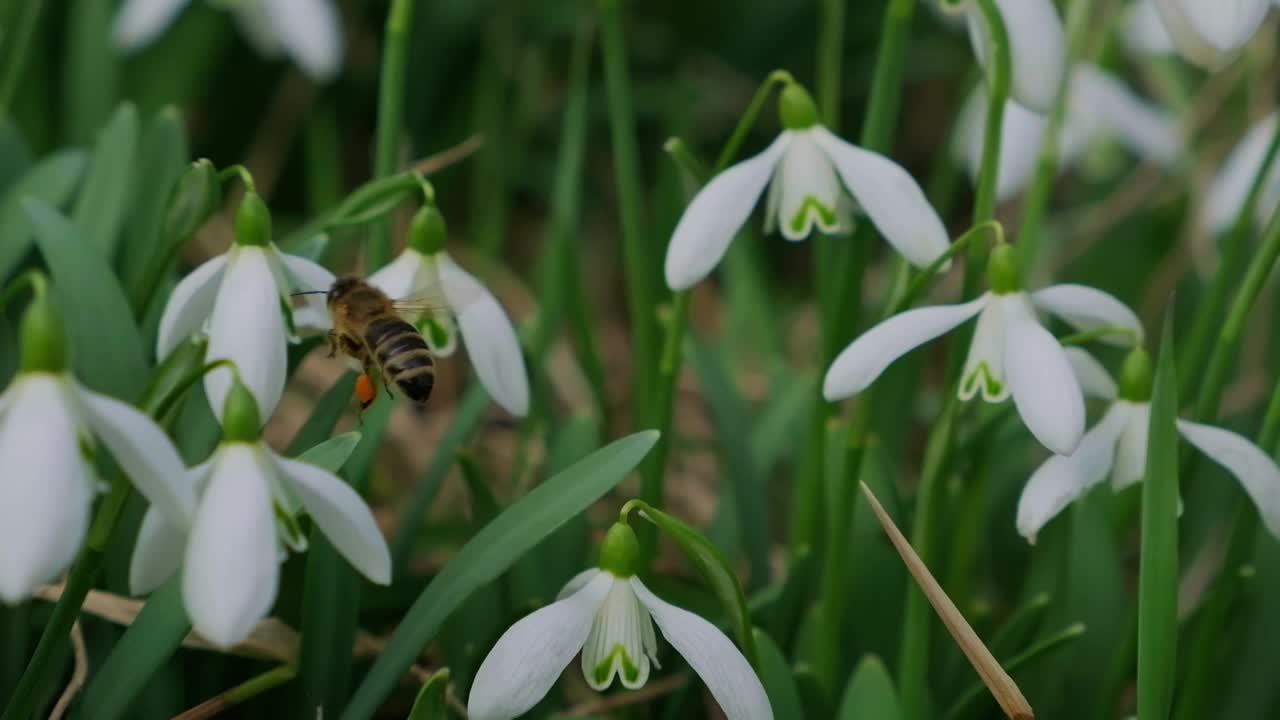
(332, 454)
(106, 346)
(1158, 564)
(15, 156)
(490, 553)
(430, 704)
(978, 691)
(100, 210)
(715, 570)
(90, 69)
(324, 415)
(147, 644)
(775, 673)
(870, 693)
(162, 158)
(52, 180)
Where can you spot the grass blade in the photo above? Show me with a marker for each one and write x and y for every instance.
(870, 693)
(52, 181)
(779, 682)
(100, 209)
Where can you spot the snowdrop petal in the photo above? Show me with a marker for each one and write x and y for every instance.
(189, 305)
(1131, 450)
(232, 559)
(717, 661)
(1085, 308)
(1021, 134)
(400, 277)
(807, 190)
(157, 554)
(984, 365)
(1256, 471)
(247, 327)
(577, 582)
(890, 197)
(1231, 184)
(46, 485)
(531, 654)
(1045, 390)
(859, 364)
(342, 516)
(488, 335)
(309, 30)
(715, 214)
(144, 451)
(1037, 48)
(616, 644)
(1094, 379)
(139, 22)
(305, 275)
(1144, 31)
(1063, 478)
(1209, 32)
(1148, 130)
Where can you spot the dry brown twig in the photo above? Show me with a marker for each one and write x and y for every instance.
(79, 673)
(1002, 687)
(650, 691)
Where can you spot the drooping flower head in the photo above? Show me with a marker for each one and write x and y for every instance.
(815, 179)
(50, 425)
(231, 542)
(1011, 355)
(1210, 33)
(1037, 46)
(1116, 447)
(308, 31)
(608, 614)
(241, 300)
(464, 306)
(1231, 184)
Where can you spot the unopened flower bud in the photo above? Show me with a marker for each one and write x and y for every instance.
(195, 197)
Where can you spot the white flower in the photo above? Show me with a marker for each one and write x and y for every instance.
(241, 299)
(1117, 447)
(1037, 47)
(610, 619)
(1231, 184)
(1011, 353)
(1210, 32)
(307, 30)
(1143, 30)
(1099, 105)
(230, 546)
(811, 175)
(486, 330)
(47, 482)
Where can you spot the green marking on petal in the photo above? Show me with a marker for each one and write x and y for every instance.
(981, 379)
(290, 530)
(810, 204)
(630, 670)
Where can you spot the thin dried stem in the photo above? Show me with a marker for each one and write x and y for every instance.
(79, 673)
(449, 156)
(600, 705)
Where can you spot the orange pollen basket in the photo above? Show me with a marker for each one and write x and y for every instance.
(365, 391)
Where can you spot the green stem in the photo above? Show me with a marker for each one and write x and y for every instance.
(636, 251)
(391, 89)
(914, 655)
(1088, 336)
(489, 187)
(1214, 378)
(19, 40)
(1234, 243)
(748, 119)
(831, 15)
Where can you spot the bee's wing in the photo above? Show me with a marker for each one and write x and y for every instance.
(424, 303)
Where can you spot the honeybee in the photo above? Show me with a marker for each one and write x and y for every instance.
(367, 326)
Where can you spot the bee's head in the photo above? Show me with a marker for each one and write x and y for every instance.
(341, 287)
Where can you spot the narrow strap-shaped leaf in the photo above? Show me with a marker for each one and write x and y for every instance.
(779, 681)
(870, 693)
(430, 704)
(162, 157)
(106, 346)
(1158, 564)
(90, 69)
(52, 180)
(100, 210)
(332, 454)
(490, 553)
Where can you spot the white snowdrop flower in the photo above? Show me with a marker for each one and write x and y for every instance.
(1209, 33)
(812, 175)
(1230, 186)
(1143, 30)
(1116, 447)
(1037, 46)
(49, 423)
(231, 544)
(241, 299)
(308, 31)
(1011, 354)
(1099, 106)
(467, 307)
(608, 614)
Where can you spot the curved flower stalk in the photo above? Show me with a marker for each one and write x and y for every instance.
(463, 305)
(1230, 186)
(1011, 354)
(49, 427)
(241, 299)
(1209, 33)
(1037, 46)
(1099, 106)
(231, 542)
(1143, 30)
(308, 31)
(608, 614)
(1116, 447)
(812, 176)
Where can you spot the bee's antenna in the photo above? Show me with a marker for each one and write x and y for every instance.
(309, 292)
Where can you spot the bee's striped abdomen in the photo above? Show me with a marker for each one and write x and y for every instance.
(403, 356)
